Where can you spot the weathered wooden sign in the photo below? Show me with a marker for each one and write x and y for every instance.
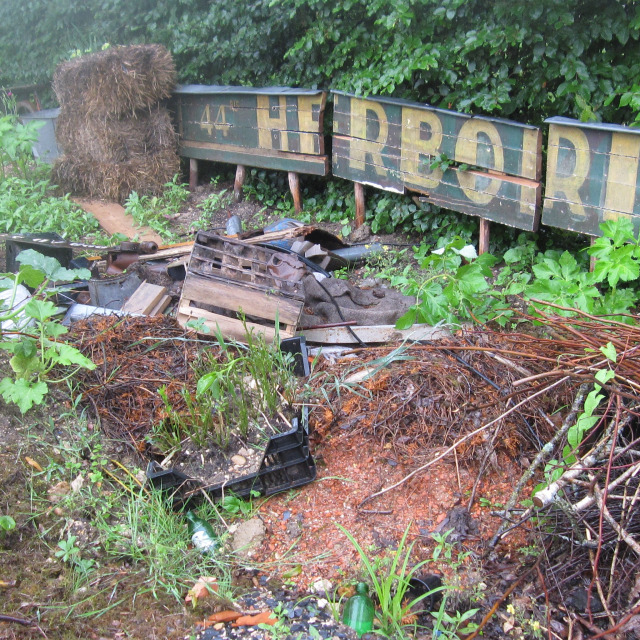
(271, 128)
(592, 175)
(392, 144)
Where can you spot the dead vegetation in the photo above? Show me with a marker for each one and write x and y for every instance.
(475, 397)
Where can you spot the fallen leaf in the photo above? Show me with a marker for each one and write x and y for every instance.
(77, 483)
(58, 491)
(31, 462)
(201, 589)
(224, 616)
(251, 621)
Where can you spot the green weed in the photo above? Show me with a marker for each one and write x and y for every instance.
(33, 337)
(156, 211)
(390, 582)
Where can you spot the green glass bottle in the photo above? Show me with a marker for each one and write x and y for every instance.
(358, 612)
(202, 534)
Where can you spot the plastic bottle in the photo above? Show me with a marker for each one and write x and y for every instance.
(358, 612)
(202, 534)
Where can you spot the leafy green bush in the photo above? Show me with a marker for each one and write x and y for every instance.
(33, 333)
(449, 290)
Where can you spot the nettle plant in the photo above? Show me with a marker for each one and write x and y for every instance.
(32, 334)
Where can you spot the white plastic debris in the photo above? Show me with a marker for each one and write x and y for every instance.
(9, 302)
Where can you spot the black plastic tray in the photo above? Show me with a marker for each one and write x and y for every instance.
(287, 463)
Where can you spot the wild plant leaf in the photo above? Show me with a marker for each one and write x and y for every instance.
(470, 279)
(65, 354)
(50, 267)
(620, 230)
(576, 433)
(209, 382)
(41, 310)
(621, 267)
(23, 393)
(604, 375)
(54, 329)
(408, 319)
(7, 523)
(609, 352)
(24, 366)
(30, 276)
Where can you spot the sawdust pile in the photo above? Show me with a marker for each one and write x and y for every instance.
(115, 134)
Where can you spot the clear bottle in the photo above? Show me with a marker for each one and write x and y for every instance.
(358, 612)
(202, 534)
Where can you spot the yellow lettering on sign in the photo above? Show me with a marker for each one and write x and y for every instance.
(531, 152)
(205, 120)
(357, 156)
(623, 174)
(566, 175)
(478, 188)
(421, 136)
(219, 123)
(267, 123)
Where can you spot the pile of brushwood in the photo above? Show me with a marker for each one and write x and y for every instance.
(563, 400)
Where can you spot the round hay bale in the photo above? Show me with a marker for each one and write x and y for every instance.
(146, 175)
(117, 81)
(115, 139)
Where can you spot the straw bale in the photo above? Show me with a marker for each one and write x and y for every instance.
(111, 139)
(145, 174)
(116, 82)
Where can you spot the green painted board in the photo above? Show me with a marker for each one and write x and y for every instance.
(592, 175)
(391, 144)
(489, 143)
(281, 161)
(272, 124)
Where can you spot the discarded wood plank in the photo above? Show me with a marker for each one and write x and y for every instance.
(174, 251)
(144, 299)
(373, 334)
(114, 219)
(293, 232)
(163, 303)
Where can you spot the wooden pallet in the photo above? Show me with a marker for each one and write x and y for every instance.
(228, 280)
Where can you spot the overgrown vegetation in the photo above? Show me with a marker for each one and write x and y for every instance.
(239, 387)
(464, 54)
(28, 201)
(31, 331)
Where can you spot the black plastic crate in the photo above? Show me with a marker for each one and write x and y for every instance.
(287, 463)
(14, 246)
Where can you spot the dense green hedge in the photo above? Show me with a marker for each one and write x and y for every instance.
(523, 60)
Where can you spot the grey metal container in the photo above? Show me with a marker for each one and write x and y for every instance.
(46, 147)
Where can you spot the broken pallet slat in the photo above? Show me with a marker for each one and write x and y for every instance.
(372, 334)
(144, 299)
(163, 303)
(113, 218)
(232, 295)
